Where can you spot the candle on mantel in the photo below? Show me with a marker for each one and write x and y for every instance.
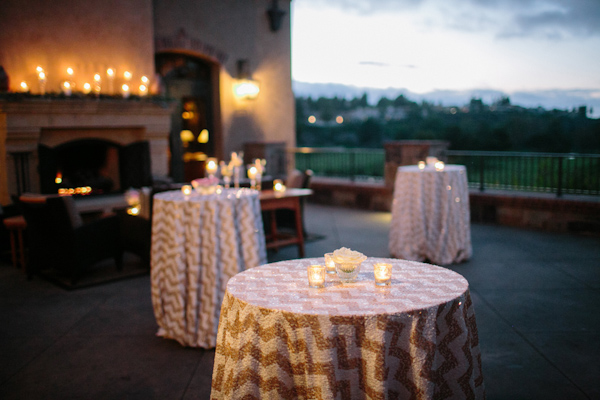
(125, 88)
(110, 73)
(24, 87)
(67, 88)
(41, 80)
(145, 86)
(97, 84)
(87, 88)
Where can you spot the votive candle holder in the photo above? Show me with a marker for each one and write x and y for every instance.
(329, 263)
(186, 190)
(316, 276)
(383, 274)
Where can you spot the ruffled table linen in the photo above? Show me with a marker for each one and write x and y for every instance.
(280, 339)
(198, 243)
(430, 215)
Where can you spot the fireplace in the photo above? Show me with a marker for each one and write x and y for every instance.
(107, 144)
(93, 167)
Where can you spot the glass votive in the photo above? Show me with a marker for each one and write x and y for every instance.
(278, 185)
(186, 190)
(329, 264)
(421, 164)
(383, 273)
(316, 276)
(439, 166)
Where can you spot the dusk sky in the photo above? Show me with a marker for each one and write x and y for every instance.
(545, 47)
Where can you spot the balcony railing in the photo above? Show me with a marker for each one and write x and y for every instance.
(353, 164)
(534, 172)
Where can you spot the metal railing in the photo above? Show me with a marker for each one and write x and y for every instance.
(353, 164)
(518, 171)
(534, 172)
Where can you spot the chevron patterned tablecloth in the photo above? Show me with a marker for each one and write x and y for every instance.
(198, 243)
(280, 339)
(430, 215)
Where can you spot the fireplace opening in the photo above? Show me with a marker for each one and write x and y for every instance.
(88, 163)
(93, 167)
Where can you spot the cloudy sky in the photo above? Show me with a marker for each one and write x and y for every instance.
(512, 46)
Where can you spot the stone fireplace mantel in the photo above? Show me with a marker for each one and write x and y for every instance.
(26, 124)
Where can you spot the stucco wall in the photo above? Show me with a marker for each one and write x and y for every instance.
(88, 36)
(226, 31)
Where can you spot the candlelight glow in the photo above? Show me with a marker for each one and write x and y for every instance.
(24, 87)
(70, 71)
(87, 88)
(127, 75)
(110, 72)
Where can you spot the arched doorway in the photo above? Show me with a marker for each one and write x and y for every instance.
(194, 127)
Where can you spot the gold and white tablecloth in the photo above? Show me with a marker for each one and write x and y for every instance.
(430, 215)
(198, 243)
(280, 339)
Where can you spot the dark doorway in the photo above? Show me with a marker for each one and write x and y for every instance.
(189, 80)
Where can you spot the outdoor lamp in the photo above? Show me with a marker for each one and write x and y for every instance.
(275, 16)
(244, 86)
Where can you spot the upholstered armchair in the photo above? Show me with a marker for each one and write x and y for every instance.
(59, 239)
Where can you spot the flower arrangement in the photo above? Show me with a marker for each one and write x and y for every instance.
(347, 263)
(205, 185)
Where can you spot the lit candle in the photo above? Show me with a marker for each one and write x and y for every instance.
(24, 87)
(42, 81)
(97, 84)
(278, 185)
(186, 190)
(67, 88)
(421, 164)
(329, 263)
(127, 75)
(211, 166)
(70, 73)
(87, 88)
(439, 166)
(382, 273)
(145, 86)
(252, 172)
(133, 210)
(316, 276)
(111, 76)
(125, 88)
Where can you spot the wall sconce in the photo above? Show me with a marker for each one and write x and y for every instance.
(244, 86)
(275, 16)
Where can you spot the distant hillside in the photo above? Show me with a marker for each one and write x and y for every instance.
(547, 99)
